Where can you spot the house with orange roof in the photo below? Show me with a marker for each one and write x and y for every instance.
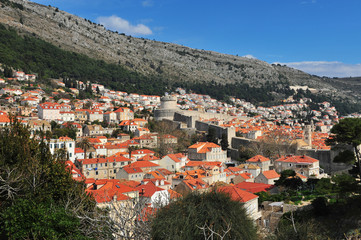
(267, 177)
(249, 200)
(261, 161)
(250, 168)
(242, 177)
(101, 150)
(80, 115)
(49, 111)
(303, 165)
(191, 174)
(160, 173)
(168, 139)
(154, 175)
(93, 130)
(235, 170)
(162, 183)
(124, 113)
(206, 151)
(94, 115)
(191, 185)
(76, 174)
(130, 173)
(173, 162)
(139, 153)
(146, 166)
(116, 148)
(63, 143)
(155, 195)
(128, 125)
(147, 140)
(110, 191)
(141, 131)
(110, 117)
(38, 125)
(151, 158)
(4, 119)
(79, 153)
(257, 187)
(140, 122)
(103, 168)
(67, 116)
(30, 101)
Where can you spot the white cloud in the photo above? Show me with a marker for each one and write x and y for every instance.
(329, 69)
(121, 25)
(147, 3)
(250, 56)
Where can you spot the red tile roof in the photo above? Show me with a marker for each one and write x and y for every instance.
(270, 174)
(131, 170)
(254, 187)
(148, 157)
(237, 194)
(110, 189)
(258, 158)
(204, 147)
(147, 190)
(297, 159)
(176, 157)
(142, 164)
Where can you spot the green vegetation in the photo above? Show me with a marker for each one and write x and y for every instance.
(39, 199)
(347, 134)
(343, 106)
(185, 218)
(336, 202)
(58, 130)
(12, 4)
(326, 221)
(48, 61)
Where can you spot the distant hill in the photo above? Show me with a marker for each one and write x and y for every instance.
(165, 63)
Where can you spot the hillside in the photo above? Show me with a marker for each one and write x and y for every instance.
(160, 61)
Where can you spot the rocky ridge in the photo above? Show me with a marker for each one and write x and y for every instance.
(171, 61)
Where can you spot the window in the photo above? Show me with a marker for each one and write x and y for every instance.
(115, 170)
(69, 154)
(290, 164)
(70, 145)
(106, 164)
(96, 172)
(172, 166)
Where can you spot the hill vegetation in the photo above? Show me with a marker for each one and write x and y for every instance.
(35, 55)
(31, 54)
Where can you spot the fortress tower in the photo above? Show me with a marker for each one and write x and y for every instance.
(168, 106)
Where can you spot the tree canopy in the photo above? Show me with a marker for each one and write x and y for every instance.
(347, 132)
(213, 211)
(38, 197)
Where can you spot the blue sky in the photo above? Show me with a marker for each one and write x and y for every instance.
(322, 37)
